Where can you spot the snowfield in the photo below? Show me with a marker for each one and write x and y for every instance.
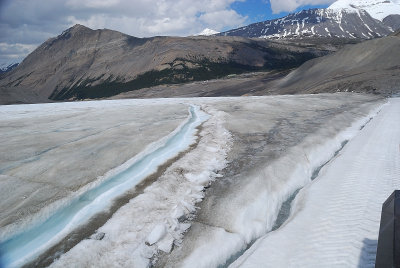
(218, 195)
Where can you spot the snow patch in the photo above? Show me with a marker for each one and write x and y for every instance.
(6, 67)
(207, 32)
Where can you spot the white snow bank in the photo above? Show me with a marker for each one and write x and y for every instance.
(167, 203)
(335, 220)
(223, 244)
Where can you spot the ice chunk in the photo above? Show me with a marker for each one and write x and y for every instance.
(158, 232)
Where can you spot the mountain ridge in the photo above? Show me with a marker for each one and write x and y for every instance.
(363, 19)
(83, 63)
(8, 67)
(378, 9)
(368, 67)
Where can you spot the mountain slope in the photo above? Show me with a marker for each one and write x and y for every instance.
(343, 19)
(316, 23)
(7, 67)
(83, 63)
(372, 66)
(378, 9)
(393, 21)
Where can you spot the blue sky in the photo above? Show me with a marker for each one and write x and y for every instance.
(260, 10)
(25, 24)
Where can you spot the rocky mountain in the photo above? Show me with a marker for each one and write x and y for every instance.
(7, 67)
(372, 66)
(84, 63)
(393, 21)
(362, 19)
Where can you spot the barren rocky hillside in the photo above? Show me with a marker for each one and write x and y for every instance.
(372, 67)
(84, 63)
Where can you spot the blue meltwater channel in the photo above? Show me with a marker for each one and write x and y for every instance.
(26, 246)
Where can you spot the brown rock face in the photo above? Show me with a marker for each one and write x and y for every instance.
(83, 63)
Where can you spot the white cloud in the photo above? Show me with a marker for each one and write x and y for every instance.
(218, 19)
(32, 22)
(92, 3)
(290, 5)
(15, 48)
(140, 17)
(12, 53)
(164, 17)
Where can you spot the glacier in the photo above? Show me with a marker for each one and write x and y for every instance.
(284, 138)
(23, 247)
(161, 215)
(285, 141)
(335, 220)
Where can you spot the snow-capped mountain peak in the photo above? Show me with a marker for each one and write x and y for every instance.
(378, 9)
(208, 32)
(6, 67)
(361, 19)
(338, 23)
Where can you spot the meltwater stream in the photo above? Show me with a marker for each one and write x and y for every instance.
(25, 246)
